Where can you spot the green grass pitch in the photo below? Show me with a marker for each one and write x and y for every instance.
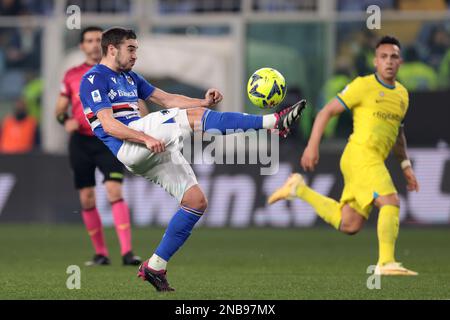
(225, 264)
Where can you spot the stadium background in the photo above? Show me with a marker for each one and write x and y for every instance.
(187, 46)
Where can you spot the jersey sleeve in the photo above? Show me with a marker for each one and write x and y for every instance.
(145, 89)
(65, 87)
(94, 93)
(352, 94)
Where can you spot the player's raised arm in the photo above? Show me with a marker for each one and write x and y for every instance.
(169, 100)
(117, 129)
(310, 156)
(400, 152)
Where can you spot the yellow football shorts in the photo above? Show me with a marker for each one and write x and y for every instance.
(365, 178)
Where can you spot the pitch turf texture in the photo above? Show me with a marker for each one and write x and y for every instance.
(225, 264)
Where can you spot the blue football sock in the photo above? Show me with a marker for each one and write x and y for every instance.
(177, 232)
(223, 121)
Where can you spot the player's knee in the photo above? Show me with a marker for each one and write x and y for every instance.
(351, 231)
(396, 200)
(202, 204)
(195, 199)
(87, 198)
(196, 112)
(199, 202)
(350, 228)
(113, 190)
(195, 115)
(391, 199)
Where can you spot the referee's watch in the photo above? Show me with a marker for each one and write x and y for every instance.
(62, 118)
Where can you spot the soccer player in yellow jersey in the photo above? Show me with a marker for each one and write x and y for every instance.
(378, 104)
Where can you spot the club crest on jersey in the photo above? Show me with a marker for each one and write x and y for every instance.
(130, 80)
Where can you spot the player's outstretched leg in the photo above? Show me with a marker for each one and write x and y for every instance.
(178, 231)
(227, 122)
(295, 187)
(387, 231)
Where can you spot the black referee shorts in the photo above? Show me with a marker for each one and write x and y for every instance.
(88, 152)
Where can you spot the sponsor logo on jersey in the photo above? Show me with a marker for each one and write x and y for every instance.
(112, 94)
(129, 94)
(114, 80)
(387, 116)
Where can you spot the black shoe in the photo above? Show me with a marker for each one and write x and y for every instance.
(286, 118)
(157, 279)
(129, 259)
(98, 260)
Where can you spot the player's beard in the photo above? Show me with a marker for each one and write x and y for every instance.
(121, 66)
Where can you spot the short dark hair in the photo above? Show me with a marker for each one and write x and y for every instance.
(388, 40)
(116, 36)
(89, 29)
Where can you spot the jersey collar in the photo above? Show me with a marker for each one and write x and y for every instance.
(108, 69)
(383, 83)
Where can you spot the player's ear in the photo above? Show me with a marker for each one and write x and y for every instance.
(112, 50)
(375, 60)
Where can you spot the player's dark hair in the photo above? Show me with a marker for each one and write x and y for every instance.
(388, 40)
(89, 29)
(116, 36)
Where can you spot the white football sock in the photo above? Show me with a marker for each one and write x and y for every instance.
(157, 263)
(269, 121)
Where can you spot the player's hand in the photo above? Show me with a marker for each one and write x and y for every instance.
(310, 158)
(154, 145)
(213, 97)
(411, 180)
(71, 125)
